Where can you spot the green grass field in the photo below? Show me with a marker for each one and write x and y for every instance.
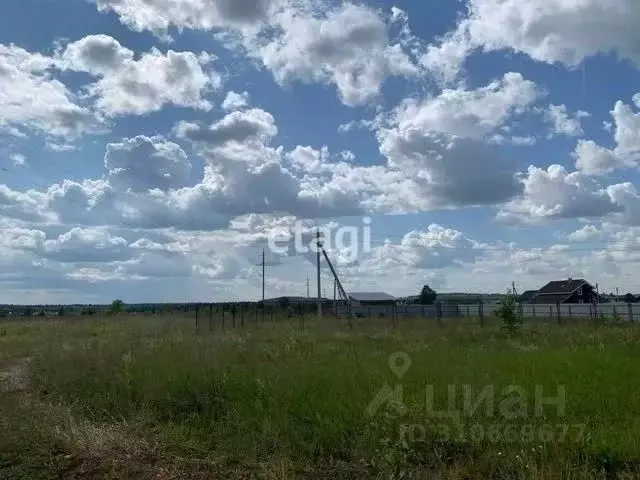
(149, 397)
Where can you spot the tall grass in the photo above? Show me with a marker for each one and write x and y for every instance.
(274, 398)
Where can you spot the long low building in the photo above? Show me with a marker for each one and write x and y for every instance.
(372, 299)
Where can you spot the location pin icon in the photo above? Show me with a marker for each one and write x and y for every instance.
(399, 363)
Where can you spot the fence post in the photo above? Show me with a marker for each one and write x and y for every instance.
(197, 319)
(615, 313)
(210, 316)
(242, 314)
(534, 311)
(570, 311)
(481, 312)
(233, 315)
(558, 313)
(630, 309)
(468, 315)
(222, 317)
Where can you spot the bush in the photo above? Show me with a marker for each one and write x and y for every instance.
(616, 318)
(507, 312)
(116, 307)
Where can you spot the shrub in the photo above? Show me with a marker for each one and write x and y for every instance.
(116, 307)
(507, 312)
(616, 318)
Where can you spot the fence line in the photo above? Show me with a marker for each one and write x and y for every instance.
(629, 312)
(214, 316)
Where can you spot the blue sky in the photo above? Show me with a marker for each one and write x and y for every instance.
(150, 144)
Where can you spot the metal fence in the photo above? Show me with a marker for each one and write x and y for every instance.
(239, 314)
(629, 312)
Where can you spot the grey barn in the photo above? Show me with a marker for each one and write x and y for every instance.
(372, 299)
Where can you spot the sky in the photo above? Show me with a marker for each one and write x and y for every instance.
(151, 150)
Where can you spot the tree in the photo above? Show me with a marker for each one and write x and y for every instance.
(116, 306)
(629, 298)
(507, 312)
(427, 296)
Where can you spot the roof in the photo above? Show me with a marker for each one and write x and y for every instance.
(566, 287)
(550, 299)
(372, 297)
(294, 300)
(528, 296)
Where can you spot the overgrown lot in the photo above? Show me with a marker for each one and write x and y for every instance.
(132, 397)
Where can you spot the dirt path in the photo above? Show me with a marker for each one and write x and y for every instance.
(14, 378)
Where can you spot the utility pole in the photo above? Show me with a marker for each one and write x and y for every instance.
(335, 303)
(318, 274)
(307, 286)
(263, 276)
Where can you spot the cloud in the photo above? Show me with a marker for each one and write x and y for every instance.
(86, 245)
(21, 239)
(586, 233)
(562, 123)
(159, 15)
(32, 99)
(96, 54)
(145, 163)
(309, 159)
(347, 46)
(469, 113)
(127, 86)
(435, 248)
(533, 267)
(446, 58)
(235, 101)
(556, 193)
(27, 206)
(18, 159)
(254, 126)
(550, 31)
(443, 143)
(35, 99)
(145, 182)
(593, 159)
